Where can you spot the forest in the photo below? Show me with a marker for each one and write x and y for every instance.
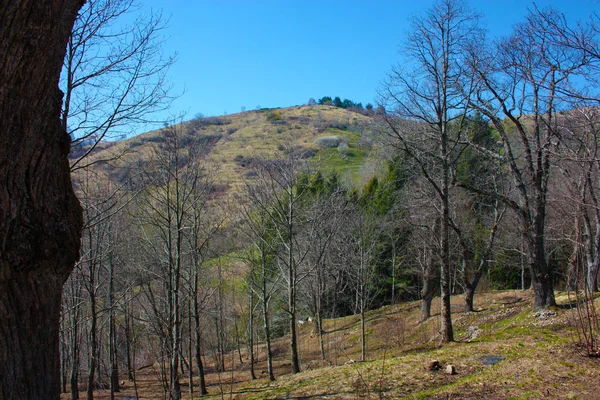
(477, 170)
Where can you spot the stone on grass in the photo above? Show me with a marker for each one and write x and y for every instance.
(450, 370)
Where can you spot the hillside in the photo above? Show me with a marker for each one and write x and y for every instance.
(232, 142)
(502, 351)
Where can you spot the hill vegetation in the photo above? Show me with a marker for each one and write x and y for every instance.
(208, 242)
(233, 141)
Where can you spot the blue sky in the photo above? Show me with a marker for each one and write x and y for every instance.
(249, 53)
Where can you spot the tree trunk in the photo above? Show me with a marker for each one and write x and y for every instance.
(64, 365)
(93, 341)
(293, 336)
(470, 291)
(294, 344)
(427, 292)
(237, 340)
(593, 259)
(74, 378)
(198, 349)
(265, 307)
(40, 216)
(319, 328)
(190, 347)
(292, 272)
(128, 340)
(446, 313)
(198, 353)
(112, 333)
(541, 276)
(32, 323)
(363, 338)
(251, 333)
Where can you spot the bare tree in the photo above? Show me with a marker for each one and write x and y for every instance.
(473, 262)
(169, 207)
(523, 83)
(263, 276)
(326, 212)
(204, 221)
(114, 74)
(40, 216)
(475, 217)
(285, 210)
(71, 328)
(431, 90)
(362, 236)
(286, 213)
(578, 160)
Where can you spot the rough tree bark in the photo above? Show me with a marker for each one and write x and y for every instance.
(40, 216)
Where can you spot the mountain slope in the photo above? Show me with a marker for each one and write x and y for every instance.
(234, 141)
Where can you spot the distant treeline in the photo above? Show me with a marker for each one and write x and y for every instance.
(338, 102)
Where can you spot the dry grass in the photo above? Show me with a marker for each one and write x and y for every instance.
(251, 135)
(539, 359)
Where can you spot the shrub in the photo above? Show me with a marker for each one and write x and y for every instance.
(304, 154)
(343, 148)
(342, 126)
(199, 123)
(329, 141)
(274, 115)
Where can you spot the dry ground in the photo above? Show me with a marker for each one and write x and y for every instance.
(537, 358)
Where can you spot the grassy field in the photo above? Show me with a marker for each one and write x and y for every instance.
(502, 351)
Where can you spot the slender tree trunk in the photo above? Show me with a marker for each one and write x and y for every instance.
(393, 260)
(251, 333)
(175, 389)
(112, 334)
(128, 340)
(447, 331)
(64, 355)
(198, 349)
(265, 310)
(292, 285)
(74, 378)
(198, 353)
(237, 339)
(363, 337)
(427, 292)
(91, 383)
(319, 328)
(523, 262)
(190, 347)
(40, 216)
(319, 307)
(219, 323)
(293, 339)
